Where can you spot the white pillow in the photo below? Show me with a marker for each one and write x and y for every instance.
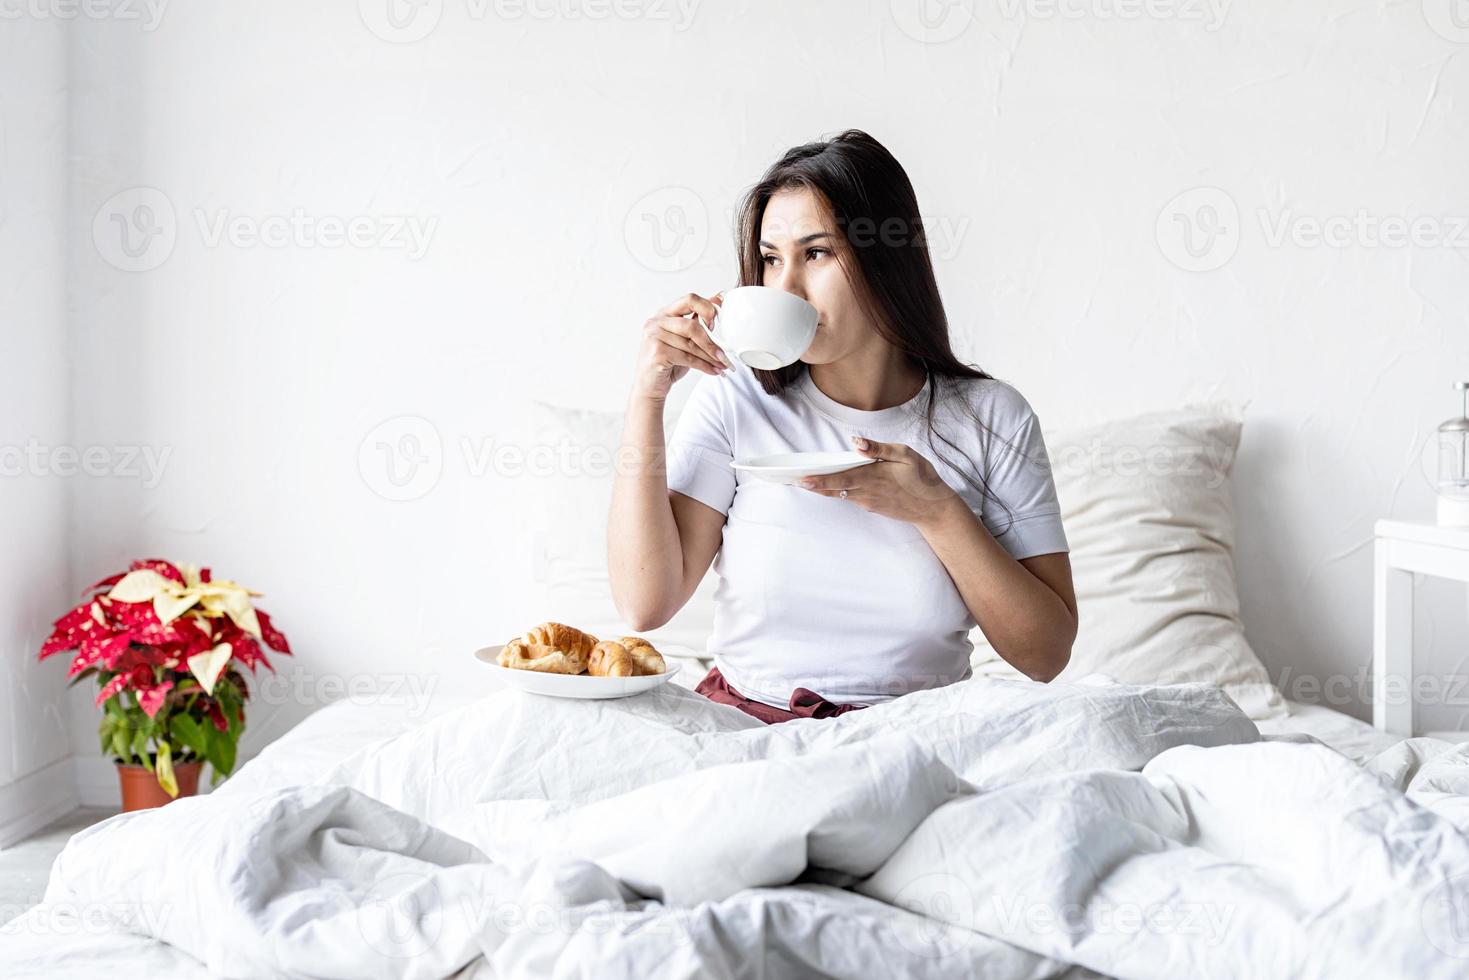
(1148, 516)
(571, 507)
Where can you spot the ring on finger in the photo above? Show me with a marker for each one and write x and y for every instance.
(843, 495)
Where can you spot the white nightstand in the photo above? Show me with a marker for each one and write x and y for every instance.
(1402, 548)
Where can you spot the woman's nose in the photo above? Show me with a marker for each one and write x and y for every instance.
(791, 282)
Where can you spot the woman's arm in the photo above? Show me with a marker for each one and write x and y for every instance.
(1025, 608)
(659, 544)
(644, 550)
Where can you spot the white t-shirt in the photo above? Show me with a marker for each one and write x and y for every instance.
(818, 592)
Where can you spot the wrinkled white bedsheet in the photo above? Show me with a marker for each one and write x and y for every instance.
(992, 828)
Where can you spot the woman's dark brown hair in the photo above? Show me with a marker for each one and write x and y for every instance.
(873, 205)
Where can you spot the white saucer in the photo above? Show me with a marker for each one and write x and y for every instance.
(582, 686)
(790, 467)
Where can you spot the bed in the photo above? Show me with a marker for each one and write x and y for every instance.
(511, 850)
(1158, 811)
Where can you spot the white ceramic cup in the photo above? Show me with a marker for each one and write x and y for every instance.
(764, 327)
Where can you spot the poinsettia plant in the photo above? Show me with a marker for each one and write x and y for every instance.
(166, 642)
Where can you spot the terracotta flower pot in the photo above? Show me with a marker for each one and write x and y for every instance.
(140, 789)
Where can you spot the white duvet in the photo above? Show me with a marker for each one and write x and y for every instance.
(992, 829)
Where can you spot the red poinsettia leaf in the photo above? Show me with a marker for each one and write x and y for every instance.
(135, 614)
(273, 637)
(141, 678)
(164, 568)
(70, 630)
(94, 642)
(246, 649)
(107, 582)
(99, 611)
(112, 687)
(106, 651)
(57, 642)
(138, 678)
(204, 575)
(85, 640)
(195, 640)
(152, 699)
(124, 661)
(157, 635)
(120, 654)
(152, 631)
(216, 715)
(156, 656)
(171, 643)
(75, 617)
(91, 643)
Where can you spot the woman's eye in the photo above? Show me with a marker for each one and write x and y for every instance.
(810, 254)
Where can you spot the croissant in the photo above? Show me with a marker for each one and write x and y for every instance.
(553, 648)
(632, 656)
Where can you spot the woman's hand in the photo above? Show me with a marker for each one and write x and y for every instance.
(903, 485)
(673, 342)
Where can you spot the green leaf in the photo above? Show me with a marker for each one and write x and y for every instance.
(120, 745)
(231, 703)
(140, 745)
(165, 774)
(191, 734)
(221, 750)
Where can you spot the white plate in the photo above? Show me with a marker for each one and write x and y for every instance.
(790, 467)
(582, 686)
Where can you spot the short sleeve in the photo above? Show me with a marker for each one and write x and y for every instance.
(1026, 519)
(700, 450)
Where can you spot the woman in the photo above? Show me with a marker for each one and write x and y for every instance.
(861, 586)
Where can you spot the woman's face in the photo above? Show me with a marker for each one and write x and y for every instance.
(799, 244)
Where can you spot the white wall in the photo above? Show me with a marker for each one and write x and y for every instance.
(527, 150)
(35, 440)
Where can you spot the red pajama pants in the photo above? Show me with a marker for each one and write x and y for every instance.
(804, 703)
